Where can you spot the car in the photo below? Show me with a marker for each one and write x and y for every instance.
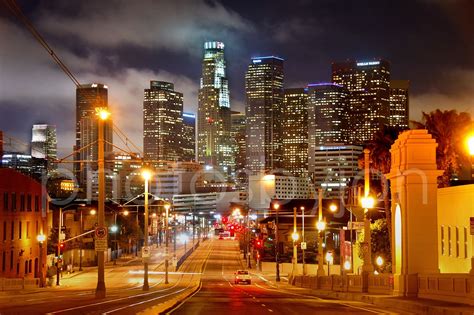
(242, 276)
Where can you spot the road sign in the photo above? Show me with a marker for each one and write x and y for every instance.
(355, 225)
(472, 225)
(303, 245)
(101, 232)
(100, 239)
(145, 252)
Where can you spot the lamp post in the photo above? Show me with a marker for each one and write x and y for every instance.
(367, 203)
(295, 238)
(114, 229)
(91, 212)
(41, 238)
(146, 176)
(320, 226)
(303, 243)
(470, 146)
(167, 208)
(102, 114)
(329, 260)
(276, 206)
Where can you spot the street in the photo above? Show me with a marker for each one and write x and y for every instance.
(219, 294)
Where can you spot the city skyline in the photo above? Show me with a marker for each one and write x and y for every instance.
(238, 29)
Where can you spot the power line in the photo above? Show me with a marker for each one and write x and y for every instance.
(16, 11)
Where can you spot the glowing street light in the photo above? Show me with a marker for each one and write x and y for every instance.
(347, 265)
(320, 226)
(295, 237)
(470, 144)
(329, 260)
(367, 202)
(379, 261)
(332, 207)
(126, 212)
(93, 212)
(113, 229)
(103, 113)
(147, 175)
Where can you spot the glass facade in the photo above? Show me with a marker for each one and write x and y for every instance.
(295, 132)
(264, 100)
(215, 146)
(399, 103)
(88, 98)
(162, 123)
(368, 84)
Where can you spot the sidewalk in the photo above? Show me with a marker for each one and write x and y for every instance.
(156, 262)
(412, 305)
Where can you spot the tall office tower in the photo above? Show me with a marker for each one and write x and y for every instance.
(264, 90)
(332, 167)
(399, 103)
(162, 123)
(44, 144)
(328, 117)
(189, 135)
(295, 132)
(214, 142)
(238, 134)
(368, 83)
(88, 98)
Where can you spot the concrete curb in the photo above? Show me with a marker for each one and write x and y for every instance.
(169, 305)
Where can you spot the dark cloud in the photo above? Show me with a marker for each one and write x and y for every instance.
(125, 44)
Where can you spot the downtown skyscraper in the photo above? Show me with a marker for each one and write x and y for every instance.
(215, 146)
(189, 137)
(295, 131)
(368, 83)
(264, 100)
(162, 123)
(44, 144)
(89, 97)
(399, 103)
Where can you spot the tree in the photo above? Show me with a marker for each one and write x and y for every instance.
(380, 243)
(449, 128)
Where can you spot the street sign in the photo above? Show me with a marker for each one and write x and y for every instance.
(303, 245)
(101, 232)
(355, 225)
(472, 225)
(145, 252)
(100, 239)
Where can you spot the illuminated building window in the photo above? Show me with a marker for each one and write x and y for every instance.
(443, 248)
(19, 230)
(457, 241)
(5, 201)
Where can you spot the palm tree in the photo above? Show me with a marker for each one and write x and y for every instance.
(449, 129)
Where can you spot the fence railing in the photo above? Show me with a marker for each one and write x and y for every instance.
(452, 287)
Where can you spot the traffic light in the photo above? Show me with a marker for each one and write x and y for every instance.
(258, 244)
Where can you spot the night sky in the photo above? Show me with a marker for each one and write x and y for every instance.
(125, 44)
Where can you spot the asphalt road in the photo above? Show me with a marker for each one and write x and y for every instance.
(220, 296)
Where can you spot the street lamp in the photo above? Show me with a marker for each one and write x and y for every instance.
(114, 229)
(167, 208)
(103, 114)
(329, 260)
(321, 226)
(379, 261)
(276, 206)
(41, 238)
(367, 203)
(146, 252)
(295, 238)
(470, 147)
